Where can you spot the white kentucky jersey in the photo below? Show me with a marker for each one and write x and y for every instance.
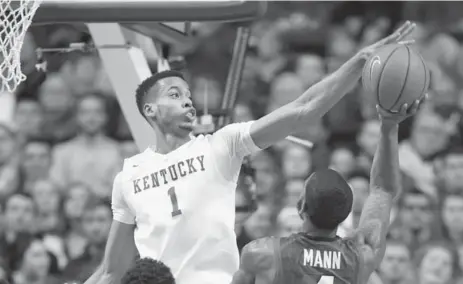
(183, 204)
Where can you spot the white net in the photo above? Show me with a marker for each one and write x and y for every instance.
(15, 18)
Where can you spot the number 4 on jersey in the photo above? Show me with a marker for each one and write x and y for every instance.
(173, 199)
(326, 280)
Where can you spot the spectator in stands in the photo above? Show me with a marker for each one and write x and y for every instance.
(367, 140)
(36, 265)
(428, 138)
(81, 73)
(91, 158)
(396, 267)
(77, 196)
(9, 171)
(57, 103)
(343, 161)
(18, 226)
(359, 181)
(268, 174)
(415, 219)
(47, 199)
(452, 218)
(96, 222)
(288, 222)
(259, 225)
(148, 271)
(35, 163)
(450, 171)
(310, 68)
(296, 162)
(436, 264)
(293, 190)
(28, 118)
(284, 89)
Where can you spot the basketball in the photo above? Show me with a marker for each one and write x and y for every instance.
(395, 75)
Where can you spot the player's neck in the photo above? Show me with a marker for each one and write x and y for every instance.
(310, 230)
(166, 142)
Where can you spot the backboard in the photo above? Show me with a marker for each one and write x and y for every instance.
(143, 12)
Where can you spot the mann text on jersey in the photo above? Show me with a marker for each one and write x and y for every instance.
(323, 259)
(170, 173)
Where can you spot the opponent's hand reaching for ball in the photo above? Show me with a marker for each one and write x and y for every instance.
(402, 32)
(389, 118)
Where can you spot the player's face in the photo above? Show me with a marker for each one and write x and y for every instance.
(436, 266)
(396, 263)
(174, 109)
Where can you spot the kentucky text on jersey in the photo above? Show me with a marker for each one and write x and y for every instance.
(171, 173)
(322, 259)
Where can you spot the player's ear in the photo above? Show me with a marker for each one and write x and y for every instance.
(150, 110)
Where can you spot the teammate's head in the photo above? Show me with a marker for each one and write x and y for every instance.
(327, 200)
(165, 99)
(148, 271)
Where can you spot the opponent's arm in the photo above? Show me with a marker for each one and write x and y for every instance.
(256, 257)
(384, 186)
(318, 99)
(119, 255)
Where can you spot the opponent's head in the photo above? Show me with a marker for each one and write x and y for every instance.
(148, 271)
(165, 99)
(327, 200)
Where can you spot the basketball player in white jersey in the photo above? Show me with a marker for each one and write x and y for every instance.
(176, 200)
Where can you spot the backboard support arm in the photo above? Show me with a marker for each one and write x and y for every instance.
(126, 69)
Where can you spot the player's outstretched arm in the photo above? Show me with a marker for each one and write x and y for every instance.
(120, 254)
(318, 99)
(256, 257)
(384, 186)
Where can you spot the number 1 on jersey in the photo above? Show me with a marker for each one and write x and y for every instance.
(173, 199)
(326, 280)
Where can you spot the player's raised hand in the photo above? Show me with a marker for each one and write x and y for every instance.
(402, 32)
(405, 111)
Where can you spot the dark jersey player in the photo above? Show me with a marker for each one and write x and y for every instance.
(317, 255)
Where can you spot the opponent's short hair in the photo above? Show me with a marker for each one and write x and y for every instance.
(327, 200)
(146, 85)
(148, 271)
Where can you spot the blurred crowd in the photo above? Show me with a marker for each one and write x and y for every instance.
(69, 138)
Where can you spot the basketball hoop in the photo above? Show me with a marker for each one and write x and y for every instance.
(15, 18)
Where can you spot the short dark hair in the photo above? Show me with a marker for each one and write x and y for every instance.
(149, 82)
(148, 271)
(328, 199)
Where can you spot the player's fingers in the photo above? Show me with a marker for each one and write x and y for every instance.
(382, 112)
(414, 108)
(403, 109)
(407, 31)
(397, 35)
